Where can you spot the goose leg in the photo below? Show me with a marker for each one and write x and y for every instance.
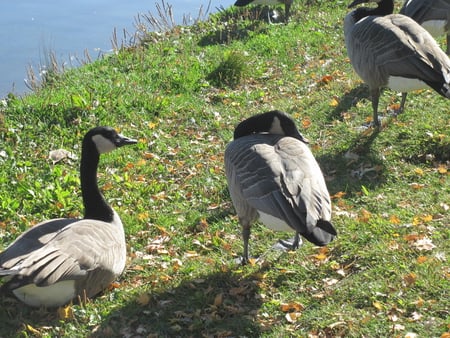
(402, 103)
(375, 93)
(287, 8)
(245, 237)
(297, 241)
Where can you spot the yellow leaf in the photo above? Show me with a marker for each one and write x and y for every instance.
(32, 329)
(320, 257)
(143, 299)
(418, 171)
(394, 219)
(218, 300)
(151, 125)
(442, 169)
(141, 162)
(65, 312)
(445, 335)
(422, 259)
(427, 218)
(334, 102)
(377, 305)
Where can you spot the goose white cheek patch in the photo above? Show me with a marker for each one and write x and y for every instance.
(103, 144)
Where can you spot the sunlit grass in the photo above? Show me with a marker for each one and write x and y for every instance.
(385, 275)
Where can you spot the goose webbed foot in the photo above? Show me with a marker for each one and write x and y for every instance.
(291, 244)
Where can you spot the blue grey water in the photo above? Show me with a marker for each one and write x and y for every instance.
(30, 29)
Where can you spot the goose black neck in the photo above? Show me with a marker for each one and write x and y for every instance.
(95, 206)
(385, 7)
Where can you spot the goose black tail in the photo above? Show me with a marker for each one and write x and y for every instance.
(322, 234)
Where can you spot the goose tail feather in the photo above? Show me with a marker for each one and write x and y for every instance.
(322, 234)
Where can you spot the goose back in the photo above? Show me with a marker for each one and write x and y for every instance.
(278, 176)
(392, 50)
(382, 49)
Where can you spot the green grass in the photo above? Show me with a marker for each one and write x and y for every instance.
(375, 280)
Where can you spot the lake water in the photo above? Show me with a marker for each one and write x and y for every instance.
(30, 29)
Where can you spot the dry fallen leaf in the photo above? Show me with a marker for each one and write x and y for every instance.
(292, 307)
(410, 279)
(423, 244)
(292, 317)
(65, 312)
(143, 299)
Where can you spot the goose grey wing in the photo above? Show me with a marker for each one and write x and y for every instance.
(395, 45)
(74, 252)
(276, 176)
(31, 240)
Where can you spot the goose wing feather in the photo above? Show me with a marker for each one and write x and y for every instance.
(64, 249)
(422, 10)
(394, 45)
(280, 177)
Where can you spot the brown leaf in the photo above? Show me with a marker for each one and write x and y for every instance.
(143, 299)
(410, 279)
(292, 307)
(218, 300)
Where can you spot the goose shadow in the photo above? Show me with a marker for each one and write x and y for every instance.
(353, 167)
(348, 100)
(221, 304)
(17, 318)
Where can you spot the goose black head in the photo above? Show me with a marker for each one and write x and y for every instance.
(272, 122)
(106, 139)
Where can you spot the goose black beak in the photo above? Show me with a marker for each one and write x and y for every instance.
(123, 140)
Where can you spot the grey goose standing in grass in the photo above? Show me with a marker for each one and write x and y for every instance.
(60, 259)
(287, 5)
(272, 175)
(392, 50)
(433, 15)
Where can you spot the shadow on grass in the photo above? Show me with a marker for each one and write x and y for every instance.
(353, 167)
(348, 100)
(221, 304)
(15, 317)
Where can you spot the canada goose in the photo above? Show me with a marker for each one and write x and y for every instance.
(60, 259)
(272, 175)
(433, 15)
(287, 5)
(392, 50)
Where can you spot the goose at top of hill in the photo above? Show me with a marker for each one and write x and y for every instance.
(287, 5)
(61, 259)
(392, 50)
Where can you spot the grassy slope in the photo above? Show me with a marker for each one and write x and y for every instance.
(379, 278)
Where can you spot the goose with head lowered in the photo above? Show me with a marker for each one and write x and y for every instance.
(392, 50)
(62, 259)
(272, 175)
(287, 5)
(433, 15)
